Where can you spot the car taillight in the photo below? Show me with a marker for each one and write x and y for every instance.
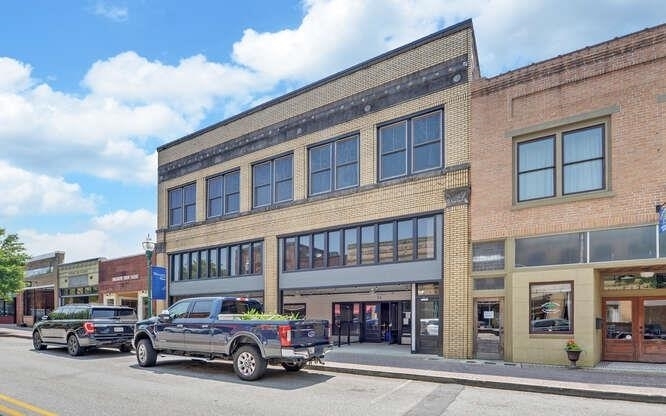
(285, 335)
(89, 327)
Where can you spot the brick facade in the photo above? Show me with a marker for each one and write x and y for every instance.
(618, 84)
(430, 74)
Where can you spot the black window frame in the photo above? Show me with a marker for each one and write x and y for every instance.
(223, 193)
(177, 203)
(334, 165)
(298, 251)
(273, 183)
(187, 265)
(409, 147)
(558, 166)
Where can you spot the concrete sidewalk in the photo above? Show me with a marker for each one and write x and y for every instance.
(639, 382)
(619, 381)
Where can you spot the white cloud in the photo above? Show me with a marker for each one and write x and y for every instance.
(336, 34)
(113, 235)
(111, 12)
(14, 75)
(26, 191)
(192, 87)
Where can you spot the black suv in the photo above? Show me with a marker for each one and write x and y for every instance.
(82, 327)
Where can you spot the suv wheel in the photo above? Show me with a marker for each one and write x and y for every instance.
(146, 355)
(37, 341)
(73, 346)
(248, 363)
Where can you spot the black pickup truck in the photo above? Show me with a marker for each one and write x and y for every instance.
(214, 327)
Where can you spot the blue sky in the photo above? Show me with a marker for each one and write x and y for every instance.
(89, 89)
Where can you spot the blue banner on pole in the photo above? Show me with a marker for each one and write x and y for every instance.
(662, 218)
(158, 282)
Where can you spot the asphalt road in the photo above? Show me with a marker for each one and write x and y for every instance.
(108, 382)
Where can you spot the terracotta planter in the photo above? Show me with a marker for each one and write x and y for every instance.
(573, 357)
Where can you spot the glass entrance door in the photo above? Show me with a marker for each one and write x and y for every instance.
(652, 328)
(489, 330)
(346, 322)
(619, 330)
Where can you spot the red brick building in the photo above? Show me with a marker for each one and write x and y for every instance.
(568, 160)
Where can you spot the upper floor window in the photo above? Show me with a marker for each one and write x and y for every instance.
(182, 204)
(334, 165)
(562, 163)
(410, 146)
(272, 181)
(223, 194)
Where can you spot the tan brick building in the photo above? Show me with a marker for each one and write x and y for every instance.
(345, 200)
(40, 295)
(568, 161)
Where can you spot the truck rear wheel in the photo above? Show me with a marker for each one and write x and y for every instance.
(248, 363)
(146, 355)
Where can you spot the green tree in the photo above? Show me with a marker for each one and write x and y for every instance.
(12, 264)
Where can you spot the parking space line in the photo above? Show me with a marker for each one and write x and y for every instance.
(23, 405)
(6, 411)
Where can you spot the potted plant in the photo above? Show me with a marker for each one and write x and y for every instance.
(573, 351)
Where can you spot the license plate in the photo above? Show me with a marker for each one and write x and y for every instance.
(118, 329)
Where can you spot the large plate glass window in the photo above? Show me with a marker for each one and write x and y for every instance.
(551, 249)
(551, 308)
(623, 244)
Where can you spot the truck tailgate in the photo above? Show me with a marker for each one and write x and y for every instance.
(309, 332)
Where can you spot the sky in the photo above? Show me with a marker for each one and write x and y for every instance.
(89, 89)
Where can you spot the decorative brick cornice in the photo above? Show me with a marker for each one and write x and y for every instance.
(421, 83)
(605, 51)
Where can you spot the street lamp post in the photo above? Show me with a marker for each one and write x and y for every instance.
(149, 246)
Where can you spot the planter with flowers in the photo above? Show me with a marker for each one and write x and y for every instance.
(573, 351)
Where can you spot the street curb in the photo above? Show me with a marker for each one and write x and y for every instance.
(592, 391)
(27, 335)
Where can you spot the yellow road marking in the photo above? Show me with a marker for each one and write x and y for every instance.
(26, 406)
(6, 411)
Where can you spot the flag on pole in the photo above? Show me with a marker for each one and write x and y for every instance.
(662, 218)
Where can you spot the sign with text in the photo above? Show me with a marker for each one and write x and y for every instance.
(159, 282)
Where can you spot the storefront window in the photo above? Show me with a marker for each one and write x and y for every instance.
(552, 249)
(551, 308)
(488, 256)
(623, 244)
